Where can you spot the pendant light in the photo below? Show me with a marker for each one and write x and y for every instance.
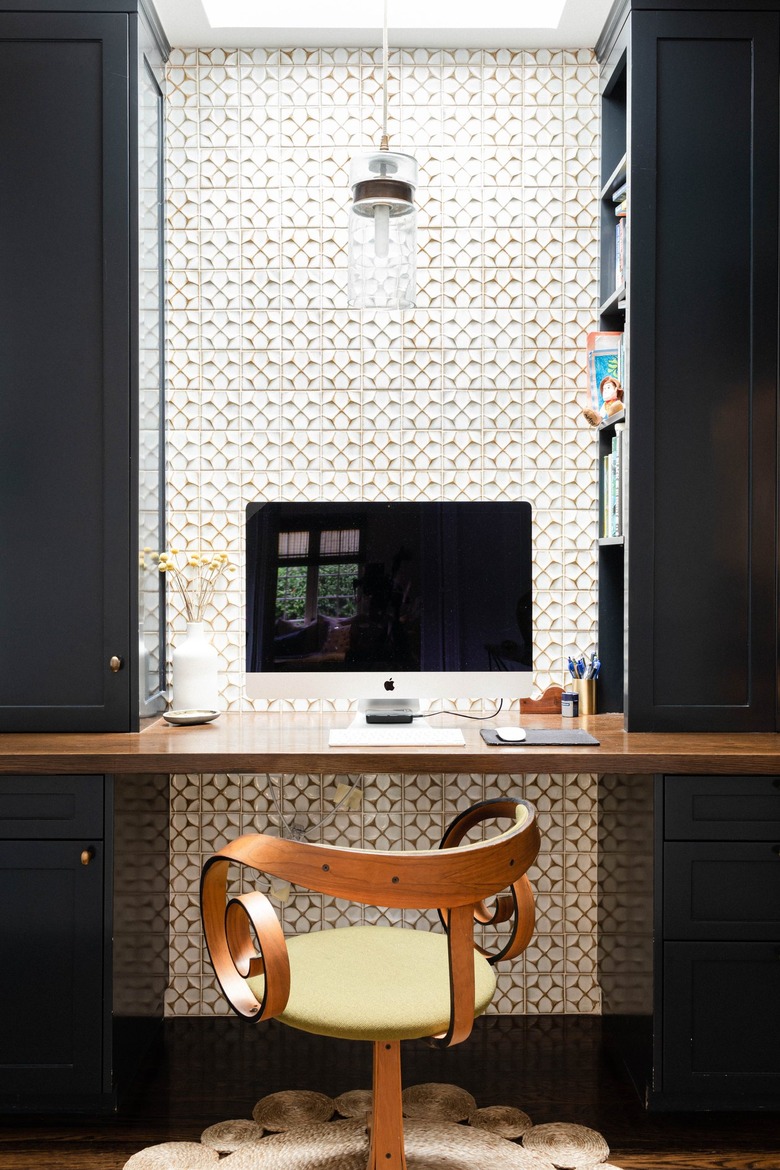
(382, 221)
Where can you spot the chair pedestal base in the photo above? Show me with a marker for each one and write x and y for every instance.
(387, 1127)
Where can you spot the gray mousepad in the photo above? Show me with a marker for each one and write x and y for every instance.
(540, 737)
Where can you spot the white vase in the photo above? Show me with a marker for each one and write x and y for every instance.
(195, 673)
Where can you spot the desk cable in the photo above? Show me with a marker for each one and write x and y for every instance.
(460, 714)
(295, 832)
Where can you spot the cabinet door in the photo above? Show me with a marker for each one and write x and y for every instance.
(64, 373)
(703, 304)
(721, 889)
(51, 976)
(721, 1020)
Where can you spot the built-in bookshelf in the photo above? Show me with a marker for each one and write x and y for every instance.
(612, 432)
(613, 227)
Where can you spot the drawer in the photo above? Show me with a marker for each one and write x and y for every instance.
(722, 808)
(721, 890)
(51, 807)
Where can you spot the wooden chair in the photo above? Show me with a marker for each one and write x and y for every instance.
(377, 983)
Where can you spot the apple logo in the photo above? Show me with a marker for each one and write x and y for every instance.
(389, 685)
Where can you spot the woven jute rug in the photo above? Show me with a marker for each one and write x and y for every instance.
(291, 1108)
(343, 1145)
(500, 1137)
(437, 1102)
(173, 1156)
(503, 1120)
(227, 1136)
(565, 1145)
(355, 1103)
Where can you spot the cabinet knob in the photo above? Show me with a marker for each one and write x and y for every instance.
(116, 663)
(87, 855)
(776, 850)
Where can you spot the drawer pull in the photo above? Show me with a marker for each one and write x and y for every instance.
(87, 855)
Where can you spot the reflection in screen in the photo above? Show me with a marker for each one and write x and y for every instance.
(389, 587)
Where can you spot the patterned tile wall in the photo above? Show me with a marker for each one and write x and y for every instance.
(278, 390)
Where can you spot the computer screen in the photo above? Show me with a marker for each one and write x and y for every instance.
(370, 600)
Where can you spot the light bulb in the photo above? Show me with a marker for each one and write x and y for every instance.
(381, 231)
(381, 269)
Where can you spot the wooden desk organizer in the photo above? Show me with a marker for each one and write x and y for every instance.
(547, 704)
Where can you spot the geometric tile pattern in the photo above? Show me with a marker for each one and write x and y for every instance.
(557, 973)
(276, 389)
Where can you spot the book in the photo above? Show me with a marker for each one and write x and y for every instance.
(618, 440)
(605, 519)
(604, 354)
(615, 525)
(620, 253)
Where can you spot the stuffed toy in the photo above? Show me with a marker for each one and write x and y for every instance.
(611, 394)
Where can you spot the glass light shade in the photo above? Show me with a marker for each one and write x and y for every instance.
(382, 231)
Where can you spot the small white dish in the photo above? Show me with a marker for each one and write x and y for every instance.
(182, 718)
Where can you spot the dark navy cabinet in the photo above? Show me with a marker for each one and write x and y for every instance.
(52, 879)
(83, 919)
(80, 368)
(690, 92)
(718, 945)
(689, 950)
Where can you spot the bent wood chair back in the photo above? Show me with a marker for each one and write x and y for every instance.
(381, 984)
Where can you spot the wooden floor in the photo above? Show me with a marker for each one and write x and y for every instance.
(556, 1068)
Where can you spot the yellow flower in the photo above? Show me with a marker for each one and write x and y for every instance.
(196, 579)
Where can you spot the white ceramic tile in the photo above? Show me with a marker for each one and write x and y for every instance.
(278, 391)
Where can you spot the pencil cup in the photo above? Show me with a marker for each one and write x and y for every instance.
(586, 689)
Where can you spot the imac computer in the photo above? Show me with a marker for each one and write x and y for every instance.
(389, 604)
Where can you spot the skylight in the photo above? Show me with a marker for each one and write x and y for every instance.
(408, 14)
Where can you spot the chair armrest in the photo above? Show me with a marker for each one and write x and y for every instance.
(229, 925)
(459, 924)
(517, 905)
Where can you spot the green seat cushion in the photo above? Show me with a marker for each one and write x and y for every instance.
(373, 983)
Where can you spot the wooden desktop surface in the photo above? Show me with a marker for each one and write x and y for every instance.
(298, 743)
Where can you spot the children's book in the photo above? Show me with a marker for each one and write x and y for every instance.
(605, 360)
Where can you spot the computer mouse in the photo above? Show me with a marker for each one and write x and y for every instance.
(511, 734)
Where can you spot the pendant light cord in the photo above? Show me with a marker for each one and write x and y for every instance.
(384, 143)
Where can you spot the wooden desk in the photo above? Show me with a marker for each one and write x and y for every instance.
(283, 742)
(118, 785)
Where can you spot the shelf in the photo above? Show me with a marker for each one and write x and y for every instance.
(610, 541)
(617, 177)
(610, 422)
(611, 307)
